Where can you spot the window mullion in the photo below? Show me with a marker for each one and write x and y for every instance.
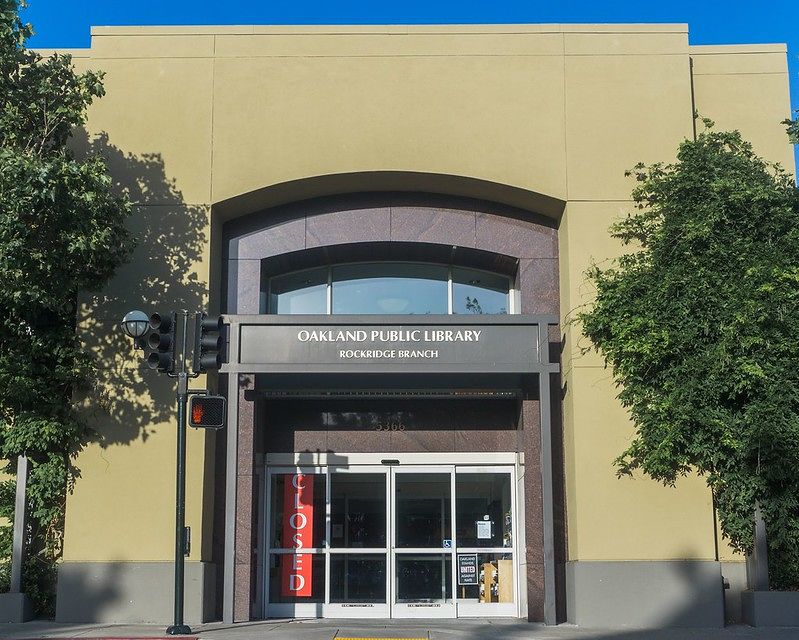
(449, 290)
(330, 291)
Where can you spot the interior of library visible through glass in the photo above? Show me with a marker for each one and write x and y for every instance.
(391, 541)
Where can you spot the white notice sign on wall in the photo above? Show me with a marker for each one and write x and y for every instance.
(483, 529)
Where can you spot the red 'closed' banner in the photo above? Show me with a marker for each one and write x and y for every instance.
(297, 569)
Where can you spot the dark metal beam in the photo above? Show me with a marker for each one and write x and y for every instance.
(547, 490)
(18, 544)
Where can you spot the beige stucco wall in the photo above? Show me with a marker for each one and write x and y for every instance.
(207, 114)
(745, 87)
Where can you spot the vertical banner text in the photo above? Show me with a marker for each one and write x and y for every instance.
(297, 572)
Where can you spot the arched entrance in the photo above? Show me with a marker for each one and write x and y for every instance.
(301, 407)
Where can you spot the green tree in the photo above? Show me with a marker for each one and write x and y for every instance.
(793, 129)
(62, 231)
(700, 324)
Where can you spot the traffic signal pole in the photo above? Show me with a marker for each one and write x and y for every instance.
(160, 338)
(178, 627)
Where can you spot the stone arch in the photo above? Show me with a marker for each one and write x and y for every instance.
(413, 209)
(275, 195)
(391, 217)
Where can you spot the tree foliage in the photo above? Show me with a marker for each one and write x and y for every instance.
(700, 324)
(62, 231)
(792, 127)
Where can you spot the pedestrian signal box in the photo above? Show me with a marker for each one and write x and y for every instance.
(207, 412)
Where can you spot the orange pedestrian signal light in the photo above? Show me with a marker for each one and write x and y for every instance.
(207, 412)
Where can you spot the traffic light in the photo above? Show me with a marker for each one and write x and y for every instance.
(162, 342)
(207, 343)
(207, 412)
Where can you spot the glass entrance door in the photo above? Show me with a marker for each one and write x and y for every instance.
(358, 538)
(378, 541)
(296, 569)
(421, 549)
(485, 535)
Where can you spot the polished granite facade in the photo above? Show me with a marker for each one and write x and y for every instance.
(373, 222)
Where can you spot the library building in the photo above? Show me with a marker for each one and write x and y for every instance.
(395, 225)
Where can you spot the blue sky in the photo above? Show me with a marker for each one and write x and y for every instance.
(65, 23)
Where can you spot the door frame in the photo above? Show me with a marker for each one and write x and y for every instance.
(286, 609)
(469, 609)
(446, 609)
(356, 609)
(510, 463)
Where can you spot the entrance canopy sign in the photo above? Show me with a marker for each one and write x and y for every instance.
(389, 344)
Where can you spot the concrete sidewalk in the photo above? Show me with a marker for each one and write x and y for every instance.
(408, 629)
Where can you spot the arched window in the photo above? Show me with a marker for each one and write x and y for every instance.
(393, 288)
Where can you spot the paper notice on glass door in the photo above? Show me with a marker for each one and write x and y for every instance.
(483, 529)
